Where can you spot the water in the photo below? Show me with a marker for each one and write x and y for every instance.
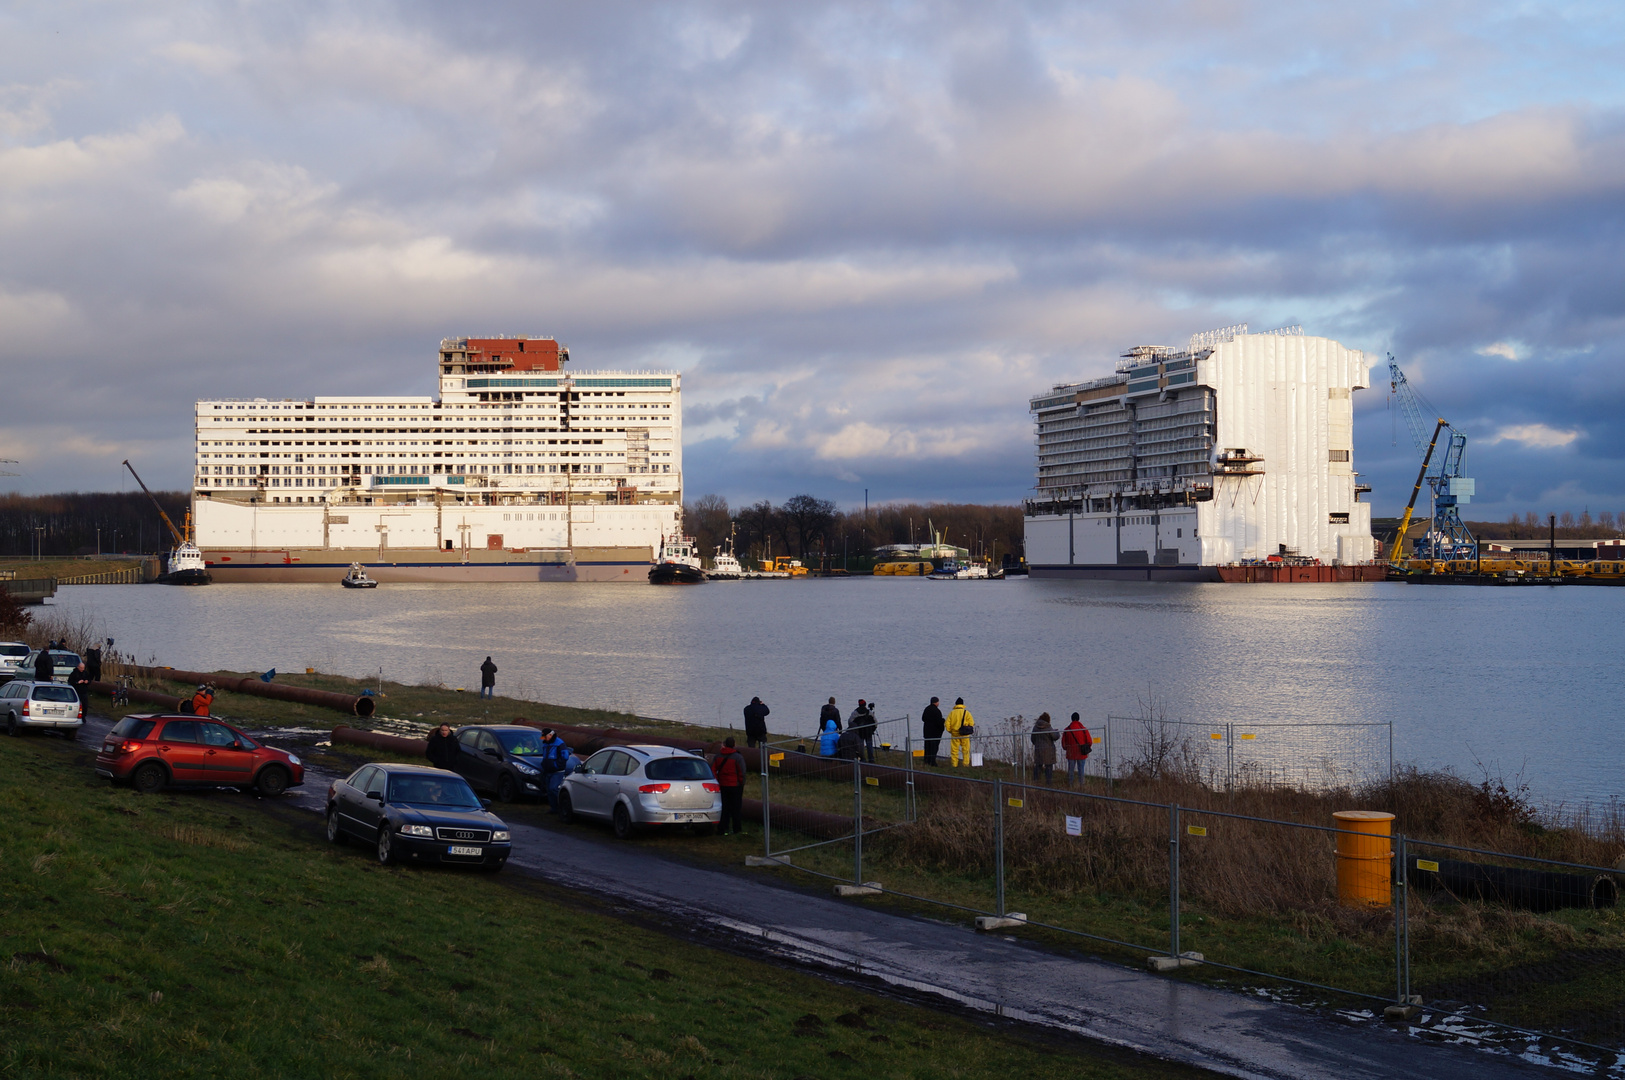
(1519, 682)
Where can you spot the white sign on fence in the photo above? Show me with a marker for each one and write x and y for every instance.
(1074, 825)
(976, 761)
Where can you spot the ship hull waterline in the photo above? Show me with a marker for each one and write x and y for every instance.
(411, 567)
(1233, 574)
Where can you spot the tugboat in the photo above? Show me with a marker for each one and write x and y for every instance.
(954, 570)
(677, 564)
(185, 565)
(357, 578)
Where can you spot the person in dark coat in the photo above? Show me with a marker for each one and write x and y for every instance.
(1044, 737)
(77, 678)
(442, 748)
(93, 663)
(849, 745)
(931, 725)
(729, 767)
(862, 724)
(488, 678)
(44, 666)
(755, 722)
(830, 711)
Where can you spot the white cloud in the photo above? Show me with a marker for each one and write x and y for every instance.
(1501, 348)
(1537, 435)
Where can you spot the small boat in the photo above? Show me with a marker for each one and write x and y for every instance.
(357, 578)
(725, 567)
(677, 565)
(954, 570)
(186, 566)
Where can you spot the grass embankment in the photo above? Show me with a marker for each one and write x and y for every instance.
(66, 568)
(195, 935)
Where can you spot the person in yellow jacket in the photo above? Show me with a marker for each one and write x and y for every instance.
(961, 725)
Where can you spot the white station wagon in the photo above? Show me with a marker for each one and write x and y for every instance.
(634, 786)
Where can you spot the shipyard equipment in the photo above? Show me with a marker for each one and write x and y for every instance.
(1448, 537)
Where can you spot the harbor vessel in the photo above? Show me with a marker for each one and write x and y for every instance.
(185, 564)
(954, 570)
(725, 566)
(519, 468)
(1229, 458)
(677, 563)
(357, 578)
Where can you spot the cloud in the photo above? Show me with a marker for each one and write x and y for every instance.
(1504, 349)
(1536, 435)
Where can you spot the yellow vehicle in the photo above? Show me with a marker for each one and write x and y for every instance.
(903, 568)
(786, 565)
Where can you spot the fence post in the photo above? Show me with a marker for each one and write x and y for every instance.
(908, 780)
(1402, 923)
(766, 761)
(998, 847)
(1390, 753)
(1173, 880)
(1111, 775)
(857, 822)
(1230, 763)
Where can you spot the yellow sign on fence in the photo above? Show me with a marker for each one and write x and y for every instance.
(1248, 735)
(1427, 864)
(1196, 830)
(1017, 803)
(1216, 735)
(774, 759)
(872, 781)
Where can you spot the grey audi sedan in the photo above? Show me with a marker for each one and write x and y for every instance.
(634, 786)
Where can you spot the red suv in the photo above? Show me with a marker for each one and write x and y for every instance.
(154, 752)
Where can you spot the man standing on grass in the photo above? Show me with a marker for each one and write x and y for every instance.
(1076, 742)
(931, 726)
(442, 750)
(830, 711)
(961, 726)
(488, 678)
(755, 722)
(729, 767)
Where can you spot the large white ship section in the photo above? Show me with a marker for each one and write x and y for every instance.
(1232, 450)
(517, 471)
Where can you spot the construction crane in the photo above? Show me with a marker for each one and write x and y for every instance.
(1447, 537)
(179, 539)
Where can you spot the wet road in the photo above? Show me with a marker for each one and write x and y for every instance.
(1219, 1030)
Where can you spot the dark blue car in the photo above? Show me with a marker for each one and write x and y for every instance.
(414, 813)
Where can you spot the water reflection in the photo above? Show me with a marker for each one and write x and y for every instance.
(1517, 679)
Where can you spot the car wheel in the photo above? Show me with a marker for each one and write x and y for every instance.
(272, 781)
(567, 810)
(149, 779)
(507, 790)
(386, 847)
(335, 835)
(623, 822)
(11, 725)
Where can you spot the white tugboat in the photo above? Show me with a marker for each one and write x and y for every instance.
(677, 564)
(357, 578)
(725, 567)
(954, 570)
(185, 565)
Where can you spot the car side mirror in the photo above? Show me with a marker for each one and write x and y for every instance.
(486, 803)
(376, 796)
(492, 753)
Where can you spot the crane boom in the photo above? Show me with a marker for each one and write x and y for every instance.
(1421, 474)
(179, 539)
(1449, 538)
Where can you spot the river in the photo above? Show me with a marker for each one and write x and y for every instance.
(1521, 683)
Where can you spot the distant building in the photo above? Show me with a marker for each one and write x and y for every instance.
(518, 470)
(1235, 448)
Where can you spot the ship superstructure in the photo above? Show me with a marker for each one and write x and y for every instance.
(517, 470)
(1234, 450)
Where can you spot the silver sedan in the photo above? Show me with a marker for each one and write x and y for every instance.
(633, 786)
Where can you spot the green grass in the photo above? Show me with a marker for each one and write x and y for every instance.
(195, 935)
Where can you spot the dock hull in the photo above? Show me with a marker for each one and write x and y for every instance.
(1234, 574)
(329, 566)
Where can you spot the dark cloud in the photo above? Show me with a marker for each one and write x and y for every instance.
(865, 233)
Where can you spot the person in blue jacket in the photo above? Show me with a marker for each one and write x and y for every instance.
(828, 737)
(555, 763)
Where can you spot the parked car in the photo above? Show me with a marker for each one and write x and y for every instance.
(416, 813)
(62, 664)
(632, 786)
(46, 706)
(152, 752)
(503, 759)
(13, 657)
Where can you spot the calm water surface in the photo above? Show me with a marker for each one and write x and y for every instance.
(1519, 681)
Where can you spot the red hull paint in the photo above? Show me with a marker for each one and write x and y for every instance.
(1314, 574)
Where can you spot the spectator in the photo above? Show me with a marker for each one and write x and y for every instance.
(849, 745)
(827, 737)
(488, 678)
(202, 700)
(1043, 738)
(442, 751)
(729, 767)
(830, 711)
(931, 725)
(77, 678)
(862, 724)
(1075, 741)
(555, 758)
(755, 722)
(93, 663)
(44, 667)
(961, 725)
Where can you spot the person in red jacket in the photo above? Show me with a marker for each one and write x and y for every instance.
(729, 767)
(1076, 742)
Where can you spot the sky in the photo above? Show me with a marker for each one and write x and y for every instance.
(865, 233)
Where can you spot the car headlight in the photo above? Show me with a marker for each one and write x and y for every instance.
(293, 759)
(526, 769)
(416, 830)
(500, 836)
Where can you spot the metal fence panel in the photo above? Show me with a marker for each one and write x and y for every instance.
(1227, 755)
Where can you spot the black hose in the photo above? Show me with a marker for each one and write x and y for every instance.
(1532, 890)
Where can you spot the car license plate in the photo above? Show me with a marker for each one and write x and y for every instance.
(458, 849)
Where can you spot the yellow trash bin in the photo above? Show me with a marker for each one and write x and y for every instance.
(1365, 858)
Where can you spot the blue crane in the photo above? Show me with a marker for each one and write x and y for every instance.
(1448, 538)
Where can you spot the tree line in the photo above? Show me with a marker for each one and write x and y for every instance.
(808, 527)
(53, 526)
(1532, 526)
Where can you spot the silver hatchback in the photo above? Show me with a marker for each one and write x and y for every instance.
(46, 706)
(633, 786)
